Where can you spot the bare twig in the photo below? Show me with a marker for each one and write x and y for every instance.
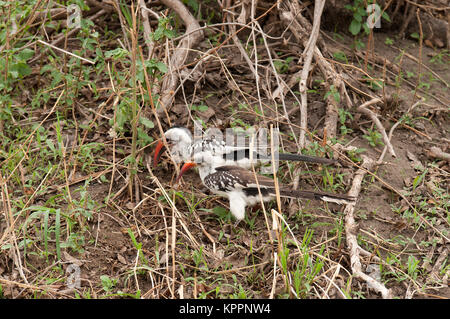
(181, 52)
(122, 24)
(351, 232)
(238, 43)
(66, 52)
(363, 109)
(147, 28)
(436, 152)
(308, 55)
(300, 26)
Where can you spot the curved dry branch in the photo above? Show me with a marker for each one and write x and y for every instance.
(180, 53)
(363, 109)
(299, 26)
(147, 28)
(308, 56)
(436, 152)
(351, 229)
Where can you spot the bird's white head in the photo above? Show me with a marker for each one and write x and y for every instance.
(179, 140)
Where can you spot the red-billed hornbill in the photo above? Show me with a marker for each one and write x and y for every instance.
(240, 186)
(182, 147)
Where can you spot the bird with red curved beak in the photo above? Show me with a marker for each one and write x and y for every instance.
(182, 146)
(159, 149)
(186, 166)
(179, 143)
(244, 188)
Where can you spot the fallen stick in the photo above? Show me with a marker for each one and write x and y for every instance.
(299, 26)
(66, 52)
(308, 56)
(238, 43)
(364, 110)
(180, 54)
(351, 232)
(147, 28)
(436, 152)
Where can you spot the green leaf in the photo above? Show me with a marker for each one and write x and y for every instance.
(357, 17)
(161, 67)
(340, 56)
(202, 108)
(348, 7)
(116, 53)
(25, 54)
(366, 28)
(143, 137)
(107, 283)
(354, 27)
(45, 68)
(50, 145)
(146, 122)
(19, 69)
(220, 211)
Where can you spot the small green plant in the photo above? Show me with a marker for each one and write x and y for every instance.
(410, 74)
(374, 84)
(333, 93)
(220, 212)
(199, 108)
(439, 57)
(373, 137)
(424, 85)
(307, 267)
(343, 116)
(282, 66)
(163, 30)
(340, 56)
(415, 35)
(412, 267)
(359, 25)
(419, 178)
(108, 283)
(359, 11)
(16, 65)
(198, 258)
(388, 41)
(138, 247)
(354, 154)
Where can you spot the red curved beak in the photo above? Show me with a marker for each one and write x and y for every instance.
(187, 166)
(158, 151)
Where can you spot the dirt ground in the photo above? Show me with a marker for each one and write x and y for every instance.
(124, 250)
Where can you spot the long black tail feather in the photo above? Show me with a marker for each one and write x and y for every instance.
(326, 197)
(298, 158)
(305, 158)
(290, 193)
(245, 153)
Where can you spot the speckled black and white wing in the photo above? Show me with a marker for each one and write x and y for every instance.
(227, 179)
(233, 178)
(225, 155)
